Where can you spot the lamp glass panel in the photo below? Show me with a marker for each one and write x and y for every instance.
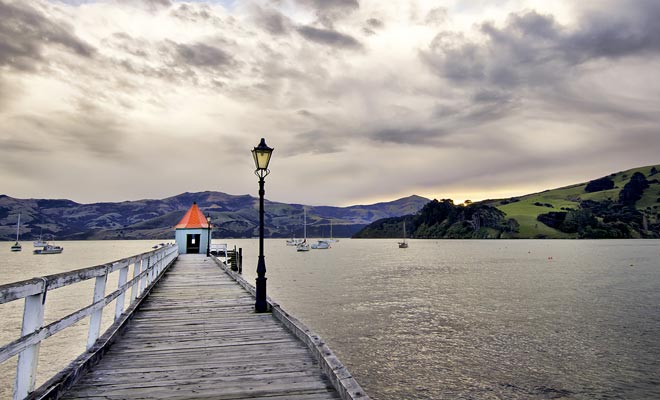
(254, 155)
(262, 158)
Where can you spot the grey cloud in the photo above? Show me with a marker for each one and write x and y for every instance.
(315, 142)
(329, 37)
(306, 113)
(128, 44)
(533, 49)
(534, 57)
(408, 135)
(490, 96)
(324, 5)
(436, 16)
(202, 55)
(272, 20)
(631, 28)
(194, 13)
(483, 106)
(149, 5)
(24, 32)
(375, 23)
(328, 11)
(88, 126)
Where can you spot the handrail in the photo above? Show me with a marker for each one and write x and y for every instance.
(147, 268)
(342, 380)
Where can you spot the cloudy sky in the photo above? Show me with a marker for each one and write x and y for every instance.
(363, 101)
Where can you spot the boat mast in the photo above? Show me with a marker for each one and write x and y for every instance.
(18, 226)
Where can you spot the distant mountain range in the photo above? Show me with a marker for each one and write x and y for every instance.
(624, 204)
(232, 217)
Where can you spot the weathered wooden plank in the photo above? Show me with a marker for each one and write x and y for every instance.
(301, 395)
(194, 390)
(197, 336)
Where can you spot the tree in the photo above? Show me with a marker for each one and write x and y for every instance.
(633, 190)
(598, 185)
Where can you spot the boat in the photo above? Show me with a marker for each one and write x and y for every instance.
(17, 246)
(303, 246)
(403, 244)
(40, 242)
(49, 249)
(331, 240)
(321, 244)
(293, 242)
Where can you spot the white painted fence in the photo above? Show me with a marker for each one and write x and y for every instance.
(147, 268)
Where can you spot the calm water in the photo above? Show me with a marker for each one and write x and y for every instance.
(451, 319)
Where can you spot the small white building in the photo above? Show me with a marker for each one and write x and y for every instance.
(193, 233)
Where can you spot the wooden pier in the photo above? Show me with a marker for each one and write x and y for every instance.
(192, 334)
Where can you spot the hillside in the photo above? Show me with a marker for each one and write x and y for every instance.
(232, 216)
(625, 204)
(600, 204)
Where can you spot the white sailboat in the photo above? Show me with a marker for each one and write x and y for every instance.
(304, 246)
(322, 244)
(17, 246)
(331, 240)
(293, 241)
(403, 244)
(40, 242)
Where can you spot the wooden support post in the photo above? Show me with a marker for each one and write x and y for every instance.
(136, 271)
(95, 319)
(26, 370)
(143, 281)
(119, 307)
(159, 266)
(240, 260)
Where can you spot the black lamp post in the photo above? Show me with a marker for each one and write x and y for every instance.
(208, 237)
(261, 155)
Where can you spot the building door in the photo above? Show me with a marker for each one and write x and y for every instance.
(192, 243)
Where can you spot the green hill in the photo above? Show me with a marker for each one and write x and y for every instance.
(625, 204)
(527, 209)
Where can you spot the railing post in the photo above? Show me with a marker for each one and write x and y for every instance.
(26, 370)
(152, 266)
(143, 281)
(136, 271)
(119, 307)
(95, 319)
(159, 259)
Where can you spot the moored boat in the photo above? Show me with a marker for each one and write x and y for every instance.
(40, 242)
(293, 242)
(403, 244)
(303, 246)
(17, 246)
(49, 249)
(321, 244)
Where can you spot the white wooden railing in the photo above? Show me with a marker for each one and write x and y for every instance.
(147, 268)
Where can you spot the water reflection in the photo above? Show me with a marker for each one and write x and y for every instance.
(467, 319)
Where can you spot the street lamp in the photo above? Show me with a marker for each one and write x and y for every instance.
(208, 236)
(261, 155)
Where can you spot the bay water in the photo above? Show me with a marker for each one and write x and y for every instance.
(442, 319)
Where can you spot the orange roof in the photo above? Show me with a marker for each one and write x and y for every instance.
(193, 219)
